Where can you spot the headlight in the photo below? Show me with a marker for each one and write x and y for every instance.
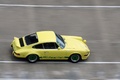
(84, 41)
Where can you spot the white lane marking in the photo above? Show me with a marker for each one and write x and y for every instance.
(31, 17)
(52, 6)
(56, 79)
(42, 62)
(12, 62)
(100, 62)
(38, 79)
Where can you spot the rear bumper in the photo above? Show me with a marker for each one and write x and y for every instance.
(13, 51)
(16, 54)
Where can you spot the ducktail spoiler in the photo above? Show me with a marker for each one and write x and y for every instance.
(17, 43)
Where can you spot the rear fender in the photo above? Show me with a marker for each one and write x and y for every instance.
(32, 53)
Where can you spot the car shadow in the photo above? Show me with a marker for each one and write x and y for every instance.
(13, 58)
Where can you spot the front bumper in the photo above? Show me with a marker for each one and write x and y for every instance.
(85, 56)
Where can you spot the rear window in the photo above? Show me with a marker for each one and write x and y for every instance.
(32, 38)
(21, 42)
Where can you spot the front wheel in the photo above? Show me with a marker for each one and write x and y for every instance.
(32, 58)
(75, 58)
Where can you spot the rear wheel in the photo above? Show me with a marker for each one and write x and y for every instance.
(75, 58)
(32, 58)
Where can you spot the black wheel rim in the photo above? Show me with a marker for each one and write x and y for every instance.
(32, 58)
(75, 58)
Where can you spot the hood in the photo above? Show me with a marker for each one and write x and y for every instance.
(71, 43)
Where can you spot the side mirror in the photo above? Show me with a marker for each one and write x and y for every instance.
(59, 48)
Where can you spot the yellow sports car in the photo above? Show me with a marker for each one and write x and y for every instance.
(47, 45)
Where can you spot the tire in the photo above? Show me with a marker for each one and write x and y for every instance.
(74, 58)
(32, 58)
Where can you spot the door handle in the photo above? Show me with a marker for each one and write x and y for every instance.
(45, 52)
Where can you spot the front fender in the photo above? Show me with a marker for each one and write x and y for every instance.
(80, 38)
(75, 37)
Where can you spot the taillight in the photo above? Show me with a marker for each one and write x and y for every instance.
(16, 53)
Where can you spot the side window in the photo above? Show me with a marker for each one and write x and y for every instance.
(39, 46)
(50, 45)
(56, 46)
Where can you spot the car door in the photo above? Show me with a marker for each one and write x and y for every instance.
(39, 49)
(52, 52)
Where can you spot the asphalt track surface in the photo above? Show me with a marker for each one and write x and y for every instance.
(100, 26)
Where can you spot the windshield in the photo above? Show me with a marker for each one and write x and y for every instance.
(60, 41)
(30, 39)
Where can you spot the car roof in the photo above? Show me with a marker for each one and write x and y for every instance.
(46, 36)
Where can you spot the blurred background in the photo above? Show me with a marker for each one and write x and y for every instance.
(98, 23)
